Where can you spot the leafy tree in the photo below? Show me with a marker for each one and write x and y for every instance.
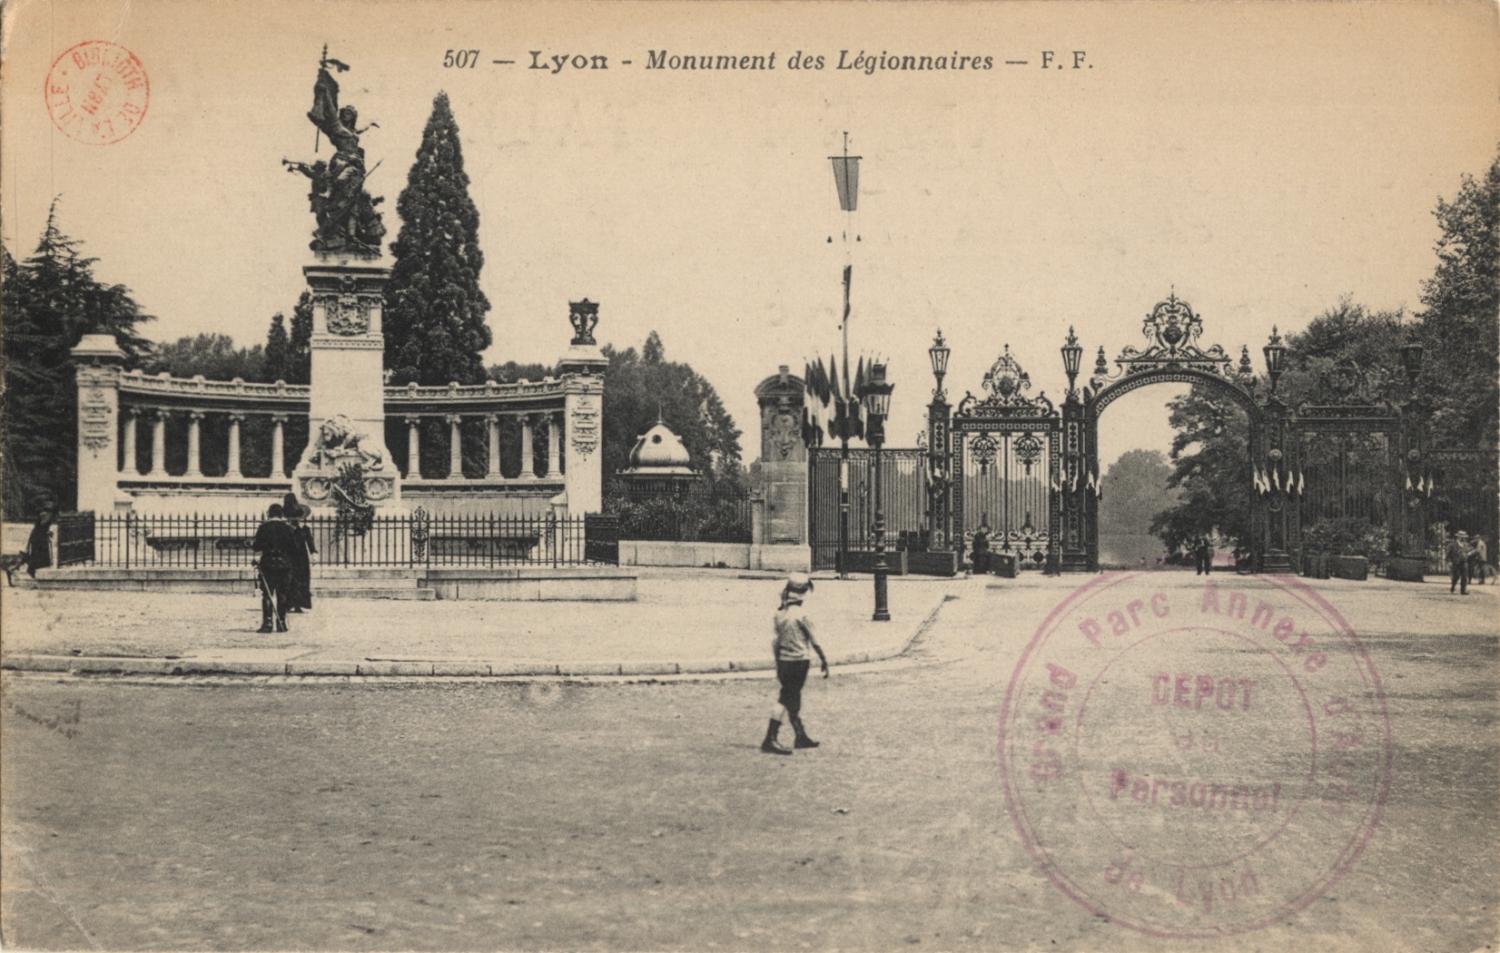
(212, 355)
(435, 311)
(51, 300)
(1135, 488)
(1210, 469)
(1459, 326)
(638, 391)
(278, 350)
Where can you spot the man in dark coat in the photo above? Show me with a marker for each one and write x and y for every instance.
(274, 544)
(1458, 563)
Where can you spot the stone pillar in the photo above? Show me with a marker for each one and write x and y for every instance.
(195, 445)
(554, 445)
(413, 448)
(492, 422)
(132, 423)
(528, 459)
(158, 444)
(783, 459)
(455, 448)
(582, 373)
(278, 455)
(233, 470)
(347, 387)
(98, 367)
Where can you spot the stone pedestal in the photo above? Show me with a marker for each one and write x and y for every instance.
(346, 406)
(582, 371)
(780, 476)
(98, 366)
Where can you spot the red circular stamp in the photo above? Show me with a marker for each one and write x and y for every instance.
(1195, 761)
(97, 92)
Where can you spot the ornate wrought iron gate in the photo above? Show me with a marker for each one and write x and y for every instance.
(904, 476)
(1004, 454)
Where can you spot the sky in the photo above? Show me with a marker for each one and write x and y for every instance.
(1260, 159)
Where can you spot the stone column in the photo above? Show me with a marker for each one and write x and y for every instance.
(783, 459)
(582, 371)
(194, 456)
(97, 376)
(554, 444)
(158, 444)
(455, 448)
(528, 460)
(132, 421)
(413, 448)
(493, 420)
(278, 454)
(233, 471)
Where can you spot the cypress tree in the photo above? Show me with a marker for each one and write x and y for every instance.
(278, 350)
(434, 319)
(299, 347)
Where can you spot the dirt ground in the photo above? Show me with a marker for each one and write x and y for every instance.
(446, 815)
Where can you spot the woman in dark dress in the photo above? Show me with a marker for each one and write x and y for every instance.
(301, 563)
(39, 544)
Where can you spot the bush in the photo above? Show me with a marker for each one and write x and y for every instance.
(1348, 536)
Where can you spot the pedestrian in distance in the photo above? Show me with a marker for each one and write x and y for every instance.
(1458, 563)
(1479, 560)
(793, 647)
(301, 584)
(273, 544)
(979, 560)
(1203, 554)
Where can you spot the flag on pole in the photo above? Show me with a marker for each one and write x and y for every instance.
(1408, 482)
(1276, 478)
(1299, 481)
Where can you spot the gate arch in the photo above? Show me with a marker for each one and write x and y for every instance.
(1172, 355)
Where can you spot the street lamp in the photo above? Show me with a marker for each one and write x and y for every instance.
(1275, 352)
(938, 353)
(1072, 353)
(877, 398)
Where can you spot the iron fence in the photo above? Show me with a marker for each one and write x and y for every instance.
(413, 539)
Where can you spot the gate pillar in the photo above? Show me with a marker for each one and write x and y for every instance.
(939, 496)
(1077, 424)
(780, 477)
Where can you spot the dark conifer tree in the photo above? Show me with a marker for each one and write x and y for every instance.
(434, 319)
(278, 349)
(50, 301)
(299, 347)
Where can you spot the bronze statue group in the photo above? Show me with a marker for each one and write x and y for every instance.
(283, 548)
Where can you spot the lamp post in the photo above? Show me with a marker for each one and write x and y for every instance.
(1411, 360)
(877, 398)
(1072, 353)
(1275, 353)
(937, 446)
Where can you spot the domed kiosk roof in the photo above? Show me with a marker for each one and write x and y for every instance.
(659, 452)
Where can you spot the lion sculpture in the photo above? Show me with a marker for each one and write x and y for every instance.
(338, 441)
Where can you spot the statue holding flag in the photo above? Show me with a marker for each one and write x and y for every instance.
(347, 220)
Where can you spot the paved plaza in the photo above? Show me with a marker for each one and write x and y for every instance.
(160, 812)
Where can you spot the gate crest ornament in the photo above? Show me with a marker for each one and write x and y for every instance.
(1006, 384)
(1171, 330)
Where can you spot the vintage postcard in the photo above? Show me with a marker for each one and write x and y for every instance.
(749, 475)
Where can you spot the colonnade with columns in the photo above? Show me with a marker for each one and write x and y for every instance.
(156, 439)
(551, 420)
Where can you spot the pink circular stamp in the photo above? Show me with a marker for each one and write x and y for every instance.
(1195, 761)
(97, 92)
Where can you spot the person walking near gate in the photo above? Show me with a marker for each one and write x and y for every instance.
(794, 638)
(1479, 559)
(273, 544)
(38, 553)
(1458, 563)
